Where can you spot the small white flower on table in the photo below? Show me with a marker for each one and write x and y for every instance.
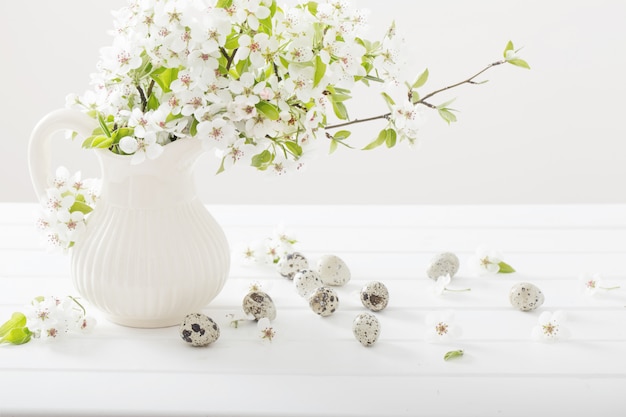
(267, 332)
(550, 327)
(440, 327)
(487, 261)
(591, 283)
(441, 285)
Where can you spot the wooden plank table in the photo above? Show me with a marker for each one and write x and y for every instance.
(314, 366)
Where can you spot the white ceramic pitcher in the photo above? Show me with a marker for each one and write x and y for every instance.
(151, 252)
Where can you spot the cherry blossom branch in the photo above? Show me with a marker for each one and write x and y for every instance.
(351, 122)
(229, 58)
(144, 102)
(422, 101)
(470, 80)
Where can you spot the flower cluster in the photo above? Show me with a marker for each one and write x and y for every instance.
(50, 317)
(487, 261)
(270, 250)
(253, 81)
(69, 200)
(46, 318)
(550, 327)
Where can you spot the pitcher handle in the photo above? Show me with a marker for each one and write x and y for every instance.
(39, 146)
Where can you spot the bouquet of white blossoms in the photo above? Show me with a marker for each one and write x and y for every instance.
(256, 83)
(253, 81)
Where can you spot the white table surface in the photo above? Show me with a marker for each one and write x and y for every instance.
(314, 366)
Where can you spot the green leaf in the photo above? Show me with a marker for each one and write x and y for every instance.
(312, 7)
(265, 25)
(340, 109)
(153, 103)
(97, 140)
(17, 336)
(193, 129)
(505, 268)
(283, 61)
(164, 77)
(221, 168)
(293, 148)
(103, 125)
(320, 70)
(388, 99)
(224, 4)
(447, 115)
(333, 147)
(342, 134)
(518, 63)
(446, 104)
(421, 80)
(262, 160)
(17, 320)
(232, 42)
(453, 354)
(80, 206)
(373, 78)
(268, 110)
(382, 138)
(87, 143)
(242, 66)
(507, 48)
(101, 142)
(390, 141)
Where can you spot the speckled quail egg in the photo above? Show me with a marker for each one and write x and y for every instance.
(324, 301)
(259, 305)
(366, 329)
(306, 281)
(291, 263)
(526, 296)
(375, 296)
(199, 330)
(333, 270)
(446, 263)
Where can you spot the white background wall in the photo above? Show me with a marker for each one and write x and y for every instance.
(554, 134)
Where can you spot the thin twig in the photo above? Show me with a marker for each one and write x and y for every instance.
(144, 102)
(150, 87)
(369, 119)
(467, 81)
(229, 58)
(422, 101)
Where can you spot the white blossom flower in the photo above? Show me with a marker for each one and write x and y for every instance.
(239, 152)
(592, 283)
(51, 317)
(58, 201)
(550, 327)
(70, 198)
(251, 11)
(71, 225)
(255, 48)
(440, 327)
(488, 261)
(249, 253)
(440, 286)
(270, 250)
(266, 329)
(141, 148)
(242, 108)
(218, 131)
